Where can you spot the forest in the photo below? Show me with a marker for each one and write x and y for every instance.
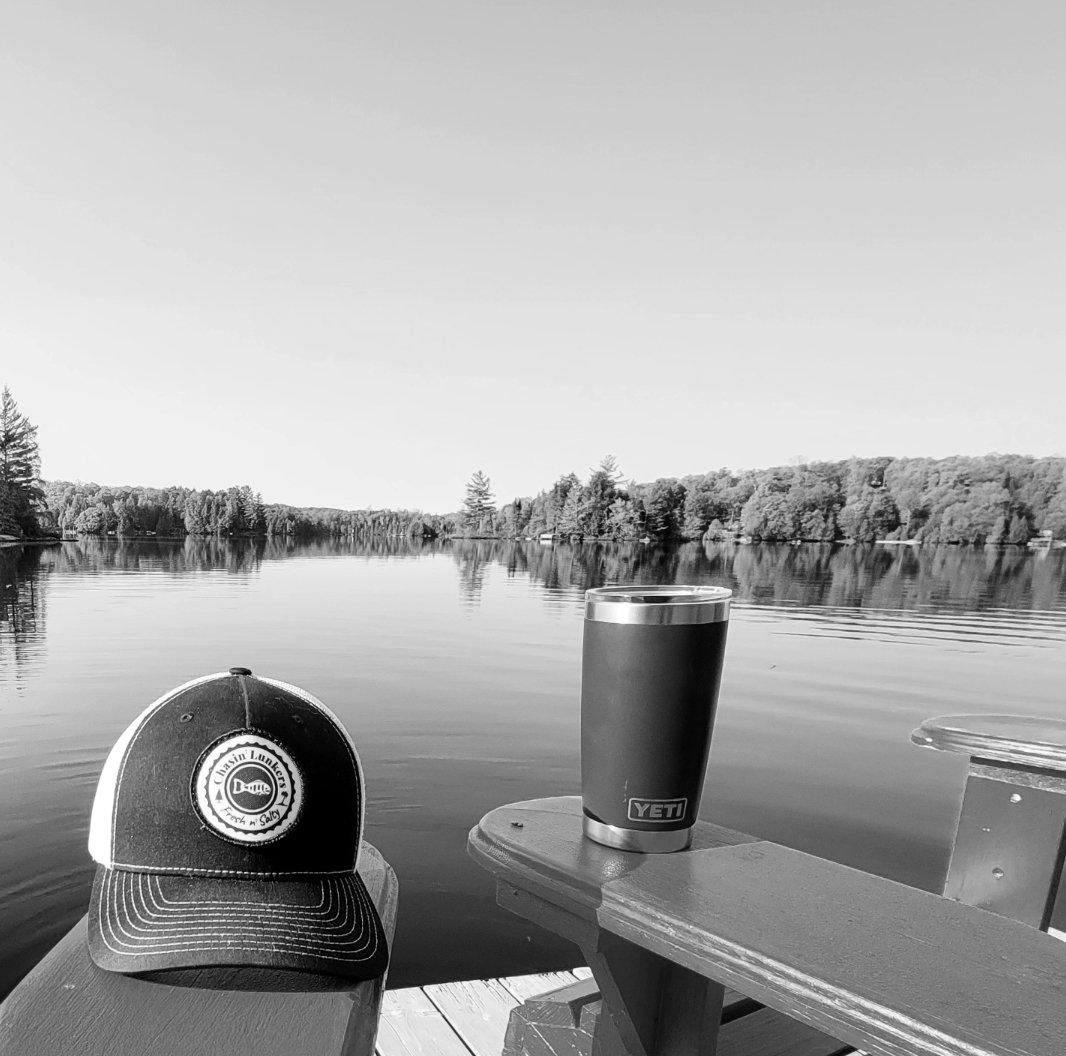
(175, 512)
(997, 499)
(990, 499)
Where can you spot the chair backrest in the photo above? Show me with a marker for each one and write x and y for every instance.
(1011, 835)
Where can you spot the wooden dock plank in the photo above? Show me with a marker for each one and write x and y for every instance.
(411, 1025)
(477, 1010)
(470, 1019)
(526, 986)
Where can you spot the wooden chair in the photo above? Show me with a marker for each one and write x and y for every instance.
(67, 1006)
(743, 946)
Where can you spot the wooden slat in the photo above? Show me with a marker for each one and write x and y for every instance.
(887, 968)
(539, 846)
(526, 986)
(411, 1025)
(563, 1023)
(477, 1010)
(770, 1033)
(878, 964)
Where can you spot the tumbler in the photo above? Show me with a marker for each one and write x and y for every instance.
(650, 670)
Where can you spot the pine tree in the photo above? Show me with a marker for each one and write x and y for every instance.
(20, 468)
(598, 495)
(478, 501)
(569, 522)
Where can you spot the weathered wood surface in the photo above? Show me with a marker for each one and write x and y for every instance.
(67, 1006)
(573, 872)
(571, 1022)
(478, 1011)
(411, 1025)
(457, 1019)
(876, 964)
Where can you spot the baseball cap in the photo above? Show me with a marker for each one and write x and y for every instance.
(226, 829)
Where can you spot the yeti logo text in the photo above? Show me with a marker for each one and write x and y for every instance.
(661, 810)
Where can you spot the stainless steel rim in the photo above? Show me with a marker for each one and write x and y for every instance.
(642, 840)
(657, 604)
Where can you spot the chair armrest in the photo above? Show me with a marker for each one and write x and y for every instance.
(1018, 739)
(877, 964)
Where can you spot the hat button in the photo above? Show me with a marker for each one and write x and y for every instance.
(240, 671)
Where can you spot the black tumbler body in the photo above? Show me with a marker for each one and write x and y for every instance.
(651, 668)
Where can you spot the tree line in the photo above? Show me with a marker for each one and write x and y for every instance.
(997, 499)
(175, 512)
(923, 579)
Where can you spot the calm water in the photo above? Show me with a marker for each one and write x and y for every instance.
(457, 669)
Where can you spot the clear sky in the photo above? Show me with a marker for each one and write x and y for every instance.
(349, 253)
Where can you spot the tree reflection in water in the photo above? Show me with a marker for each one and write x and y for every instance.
(22, 609)
(928, 578)
(810, 575)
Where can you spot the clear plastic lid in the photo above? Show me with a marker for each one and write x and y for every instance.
(657, 604)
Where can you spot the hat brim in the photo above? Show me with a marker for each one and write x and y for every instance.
(146, 922)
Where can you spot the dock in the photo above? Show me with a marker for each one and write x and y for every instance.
(459, 1019)
(471, 1019)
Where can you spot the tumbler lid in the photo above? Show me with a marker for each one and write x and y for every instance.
(657, 604)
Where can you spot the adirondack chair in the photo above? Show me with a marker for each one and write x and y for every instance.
(741, 946)
(67, 1006)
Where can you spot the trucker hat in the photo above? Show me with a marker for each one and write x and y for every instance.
(226, 830)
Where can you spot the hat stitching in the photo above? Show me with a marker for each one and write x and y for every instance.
(356, 904)
(247, 703)
(156, 904)
(339, 912)
(325, 888)
(128, 920)
(276, 945)
(183, 870)
(342, 733)
(101, 822)
(122, 774)
(145, 716)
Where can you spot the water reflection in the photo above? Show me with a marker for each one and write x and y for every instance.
(928, 579)
(22, 610)
(824, 681)
(941, 578)
(474, 556)
(212, 554)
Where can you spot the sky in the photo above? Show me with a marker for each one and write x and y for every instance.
(351, 253)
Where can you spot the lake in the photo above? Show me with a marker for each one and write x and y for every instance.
(456, 667)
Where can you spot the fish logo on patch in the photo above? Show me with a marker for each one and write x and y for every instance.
(248, 789)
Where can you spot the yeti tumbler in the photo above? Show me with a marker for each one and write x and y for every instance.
(650, 670)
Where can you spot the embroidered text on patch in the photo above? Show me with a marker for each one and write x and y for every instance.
(248, 789)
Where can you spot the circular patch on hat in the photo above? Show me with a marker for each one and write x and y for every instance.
(248, 789)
